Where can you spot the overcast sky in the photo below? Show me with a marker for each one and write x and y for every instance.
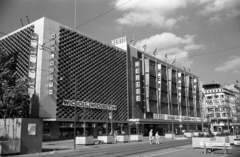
(203, 35)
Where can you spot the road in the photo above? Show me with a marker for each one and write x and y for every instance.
(167, 148)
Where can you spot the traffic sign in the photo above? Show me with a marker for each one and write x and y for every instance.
(110, 115)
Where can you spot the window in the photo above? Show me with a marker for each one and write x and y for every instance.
(209, 97)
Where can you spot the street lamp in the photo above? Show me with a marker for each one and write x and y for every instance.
(75, 115)
(111, 117)
(75, 111)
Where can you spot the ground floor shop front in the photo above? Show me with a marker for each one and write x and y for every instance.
(65, 129)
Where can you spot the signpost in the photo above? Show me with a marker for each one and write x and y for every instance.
(110, 116)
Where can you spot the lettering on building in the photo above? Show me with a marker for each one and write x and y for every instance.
(92, 105)
(53, 43)
(137, 81)
(33, 63)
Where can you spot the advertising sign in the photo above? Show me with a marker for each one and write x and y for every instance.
(169, 75)
(120, 42)
(159, 79)
(138, 81)
(53, 43)
(83, 104)
(31, 129)
(32, 63)
(179, 90)
(147, 84)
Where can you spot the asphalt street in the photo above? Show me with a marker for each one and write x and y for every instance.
(167, 148)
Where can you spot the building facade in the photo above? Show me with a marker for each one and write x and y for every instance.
(220, 106)
(117, 86)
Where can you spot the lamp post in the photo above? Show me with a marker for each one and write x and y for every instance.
(111, 117)
(75, 106)
(75, 111)
(75, 115)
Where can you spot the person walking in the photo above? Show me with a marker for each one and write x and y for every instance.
(115, 136)
(151, 136)
(157, 138)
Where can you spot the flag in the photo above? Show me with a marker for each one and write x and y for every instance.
(165, 59)
(174, 62)
(155, 52)
(184, 68)
(144, 47)
(237, 81)
(132, 42)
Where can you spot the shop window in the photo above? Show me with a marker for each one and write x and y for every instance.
(46, 131)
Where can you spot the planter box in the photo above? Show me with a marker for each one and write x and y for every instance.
(9, 147)
(196, 141)
(136, 137)
(237, 141)
(231, 139)
(196, 134)
(123, 138)
(84, 140)
(170, 136)
(188, 134)
(106, 139)
(222, 139)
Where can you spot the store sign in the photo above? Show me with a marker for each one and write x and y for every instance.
(158, 116)
(119, 40)
(198, 119)
(147, 80)
(159, 79)
(92, 105)
(179, 89)
(170, 117)
(120, 43)
(138, 81)
(32, 63)
(52, 63)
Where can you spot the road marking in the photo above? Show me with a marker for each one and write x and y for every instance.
(160, 153)
(224, 156)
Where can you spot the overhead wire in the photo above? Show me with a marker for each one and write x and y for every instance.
(97, 17)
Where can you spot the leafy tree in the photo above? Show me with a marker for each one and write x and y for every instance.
(237, 108)
(14, 97)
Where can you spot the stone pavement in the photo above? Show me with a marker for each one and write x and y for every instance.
(187, 151)
(65, 146)
(168, 148)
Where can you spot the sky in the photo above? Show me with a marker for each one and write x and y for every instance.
(202, 35)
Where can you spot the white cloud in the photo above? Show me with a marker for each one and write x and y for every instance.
(230, 7)
(233, 64)
(236, 71)
(156, 13)
(172, 45)
(214, 19)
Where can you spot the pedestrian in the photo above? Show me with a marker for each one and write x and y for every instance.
(151, 136)
(115, 136)
(157, 138)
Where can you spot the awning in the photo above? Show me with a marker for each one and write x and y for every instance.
(161, 121)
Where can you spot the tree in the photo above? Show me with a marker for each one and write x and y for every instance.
(237, 108)
(14, 97)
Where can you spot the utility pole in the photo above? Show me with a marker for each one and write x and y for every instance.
(75, 115)
(75, 106)
(111, 117)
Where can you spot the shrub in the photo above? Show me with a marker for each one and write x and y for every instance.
(7, 138)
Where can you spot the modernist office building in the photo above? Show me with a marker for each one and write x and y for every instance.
(139, 90)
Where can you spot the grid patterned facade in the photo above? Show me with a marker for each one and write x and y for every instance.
(100, 73)
(20, 43)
